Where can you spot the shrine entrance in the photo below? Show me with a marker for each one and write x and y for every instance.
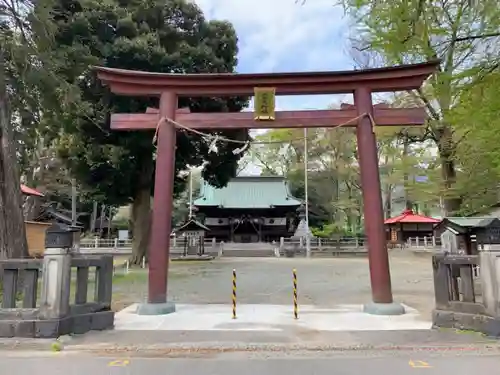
(246, 229)
(363, 115)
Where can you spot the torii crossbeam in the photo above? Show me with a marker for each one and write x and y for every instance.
(361, 84)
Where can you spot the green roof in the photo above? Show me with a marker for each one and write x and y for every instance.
(248, 192)
(470, 221)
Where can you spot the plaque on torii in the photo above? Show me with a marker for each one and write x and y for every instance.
(362, 115)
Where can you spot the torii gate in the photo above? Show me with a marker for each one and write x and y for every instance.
(361, 83)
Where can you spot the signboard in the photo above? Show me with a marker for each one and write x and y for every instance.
(264, 103)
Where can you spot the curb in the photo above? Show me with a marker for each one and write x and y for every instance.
(235, 347)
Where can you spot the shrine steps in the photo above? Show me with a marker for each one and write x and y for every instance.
(248, 250)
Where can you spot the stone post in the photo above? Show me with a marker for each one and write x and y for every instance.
(56, 282)
(221, 249)
(489, 261)
(76, 238)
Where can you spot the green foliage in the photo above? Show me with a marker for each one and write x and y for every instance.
(161, 36)
(121, 223)
(465, 36)
(327, 231)
(334, 189)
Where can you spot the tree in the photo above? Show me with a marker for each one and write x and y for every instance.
(15, 42)
(477, 110)
(463, 34)
(334, 188)
(151, 35)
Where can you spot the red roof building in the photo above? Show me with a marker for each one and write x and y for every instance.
(29, 191)
(409, 224)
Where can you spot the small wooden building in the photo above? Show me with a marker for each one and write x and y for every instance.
(35, 231)
(468, 234)
(409, 224)
(193, 233)
(35, 236)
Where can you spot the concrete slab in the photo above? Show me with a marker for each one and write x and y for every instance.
(192, 258)
(260, 317)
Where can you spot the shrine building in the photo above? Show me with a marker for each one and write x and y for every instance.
(248, 209)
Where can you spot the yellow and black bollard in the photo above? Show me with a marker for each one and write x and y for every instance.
(295, 302)
(234, 294)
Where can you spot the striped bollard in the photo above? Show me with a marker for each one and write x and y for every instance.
(295, 302)
(234, 294)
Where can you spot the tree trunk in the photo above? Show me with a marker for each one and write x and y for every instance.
(335, 199)
(406, 177)
(387, 192)
(446, 149)
(141, 217)
(141, 222)
(12, 230)
(388, 201)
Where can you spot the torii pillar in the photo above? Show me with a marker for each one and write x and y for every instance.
(161, 225)
(361, 83)
(378, 256)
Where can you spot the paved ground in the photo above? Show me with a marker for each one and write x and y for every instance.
(264, 317)
(318, 363)
(322, 282)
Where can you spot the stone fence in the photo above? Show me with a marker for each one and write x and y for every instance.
(464, 299)
(26, 313)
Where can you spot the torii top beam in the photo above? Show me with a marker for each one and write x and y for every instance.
(137, 83)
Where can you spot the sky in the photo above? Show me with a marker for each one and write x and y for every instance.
(287, 36)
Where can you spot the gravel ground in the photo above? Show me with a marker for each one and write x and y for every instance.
(321, 282)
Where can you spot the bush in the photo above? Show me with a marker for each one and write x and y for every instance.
(121, 223)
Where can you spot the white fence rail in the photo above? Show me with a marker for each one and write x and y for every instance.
(115, 243)
(317, 246)
(424, 242)
(315, 242)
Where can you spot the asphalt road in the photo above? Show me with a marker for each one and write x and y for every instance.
(311, 363)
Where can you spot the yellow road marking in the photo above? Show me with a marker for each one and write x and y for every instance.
(419, 364)
(119, 363)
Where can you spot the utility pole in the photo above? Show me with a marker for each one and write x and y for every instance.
(190, 193)
(73, 202)
(101, 221)
(93, 217)
(306, 195)
(110, 217)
